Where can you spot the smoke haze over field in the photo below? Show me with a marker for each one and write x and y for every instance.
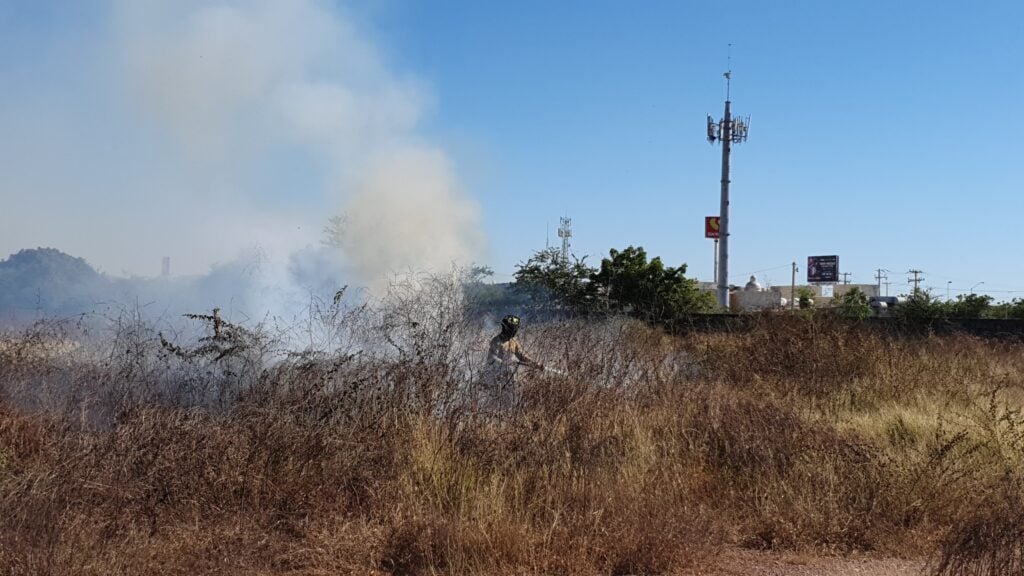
(205, 130)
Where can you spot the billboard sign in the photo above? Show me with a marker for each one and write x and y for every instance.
(823, 269)
(711, 226)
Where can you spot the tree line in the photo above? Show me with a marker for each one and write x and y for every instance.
(625, 282)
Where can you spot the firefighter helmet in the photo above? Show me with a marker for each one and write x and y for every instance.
(510, 325)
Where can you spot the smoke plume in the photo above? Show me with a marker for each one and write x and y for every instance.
(203, 129)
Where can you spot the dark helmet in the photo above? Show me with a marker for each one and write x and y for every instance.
(510, 325)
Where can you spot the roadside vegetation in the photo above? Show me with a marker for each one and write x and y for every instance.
(925, 307)
(626, 282)
(361, 442)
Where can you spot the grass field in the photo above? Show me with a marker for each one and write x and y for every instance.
(372, 448)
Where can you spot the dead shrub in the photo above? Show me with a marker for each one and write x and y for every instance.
(415, 546)
(988, 539)
(231, 453)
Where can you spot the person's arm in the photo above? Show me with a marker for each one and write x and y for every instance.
(526, 360)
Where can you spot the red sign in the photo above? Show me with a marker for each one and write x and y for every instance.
(711, 224)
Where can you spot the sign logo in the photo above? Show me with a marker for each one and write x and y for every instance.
(822, 269)
(711, 226)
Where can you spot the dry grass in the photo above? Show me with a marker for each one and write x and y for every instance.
(368, 451)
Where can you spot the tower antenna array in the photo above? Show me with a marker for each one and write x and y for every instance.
(565, 233)
(728, 131)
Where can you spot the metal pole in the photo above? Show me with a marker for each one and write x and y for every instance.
(716, 261)
(723, 230)
(792, 290)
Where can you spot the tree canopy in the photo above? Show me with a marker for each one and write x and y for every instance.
(552, 280)
(647, 288)
(853, 303)
(626, 282)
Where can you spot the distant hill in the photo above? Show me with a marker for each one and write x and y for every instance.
(46, 282)
(49, 281)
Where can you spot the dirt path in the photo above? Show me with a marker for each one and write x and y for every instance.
(752, 563)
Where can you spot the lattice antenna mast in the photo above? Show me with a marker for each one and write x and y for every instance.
(728, 131)
(565, 233)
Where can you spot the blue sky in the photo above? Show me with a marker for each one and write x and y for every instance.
(880, 131)
(884, 132)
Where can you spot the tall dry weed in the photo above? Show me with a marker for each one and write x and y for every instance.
(357, 442)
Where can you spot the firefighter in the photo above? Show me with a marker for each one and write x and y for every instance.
(504, 356)
(505, 350)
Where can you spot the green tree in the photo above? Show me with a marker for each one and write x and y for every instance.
(853, 303)
(547, 278)
(483, 296)
(1012, 309)
(969, 306)
(630, 283)
(804, 297)
(921, 309)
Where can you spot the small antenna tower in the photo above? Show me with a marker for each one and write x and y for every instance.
(165, 266)
(565, 233)
(728, 131)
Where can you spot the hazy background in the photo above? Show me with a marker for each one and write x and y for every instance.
(225, 133)
(221, 134)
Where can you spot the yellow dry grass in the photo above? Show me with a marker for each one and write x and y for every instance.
(650, 456)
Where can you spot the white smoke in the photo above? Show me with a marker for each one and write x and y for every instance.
(201, 129)
(407, 213)
(232, 82)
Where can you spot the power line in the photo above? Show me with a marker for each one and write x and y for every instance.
(765, 270)
(879, 276)
(916, 280)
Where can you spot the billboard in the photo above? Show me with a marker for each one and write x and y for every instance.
(711, 226)
(823, 269)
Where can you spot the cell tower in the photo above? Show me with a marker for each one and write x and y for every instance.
(728, 131)
(565, 233)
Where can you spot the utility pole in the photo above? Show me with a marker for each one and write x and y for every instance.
(915, 280)
(792, 289)
(887, 283)
(716, 261)
(880, 275)
(728, 131)
(846, 277)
